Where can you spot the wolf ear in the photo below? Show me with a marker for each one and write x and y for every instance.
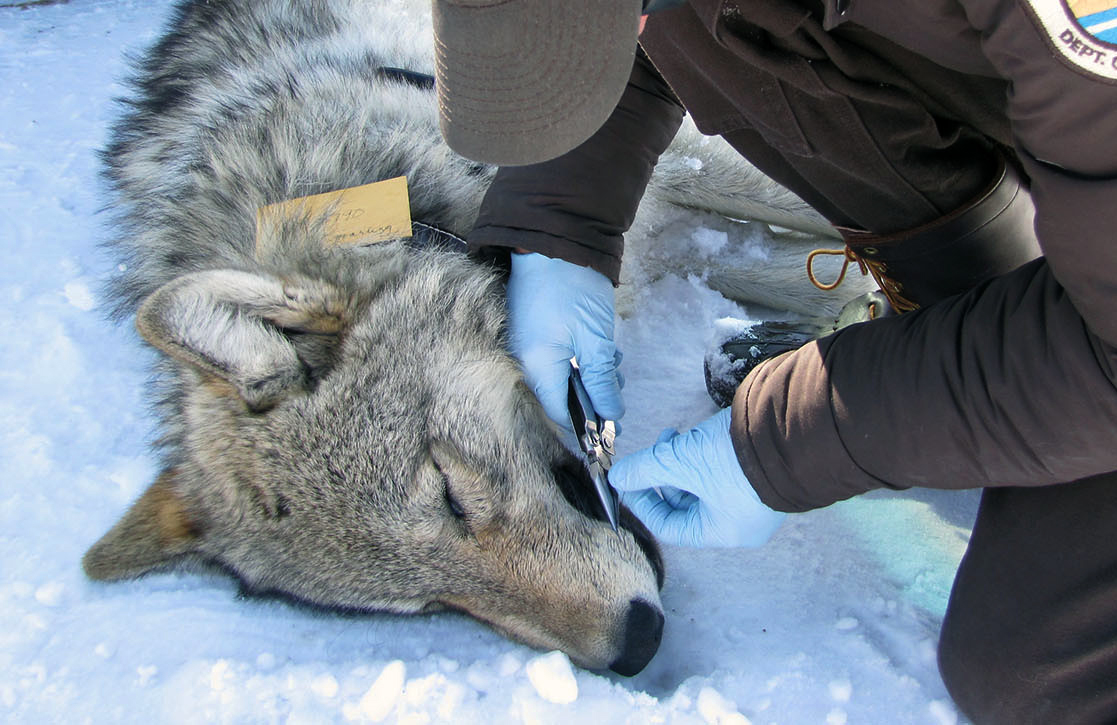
(238, 325)
(154, 531)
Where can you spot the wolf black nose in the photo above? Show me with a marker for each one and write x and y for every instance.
(643, 628)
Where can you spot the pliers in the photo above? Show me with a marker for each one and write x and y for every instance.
(595, 438)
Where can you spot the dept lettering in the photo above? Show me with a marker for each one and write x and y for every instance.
(1086, 50)
(1073, 44)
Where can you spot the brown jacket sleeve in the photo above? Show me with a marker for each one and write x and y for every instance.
(1011, 384)
(578, 206)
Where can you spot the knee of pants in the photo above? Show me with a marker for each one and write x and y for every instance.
(1030, 632)
(991, 675)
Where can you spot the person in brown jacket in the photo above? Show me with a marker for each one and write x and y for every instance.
(928, 132)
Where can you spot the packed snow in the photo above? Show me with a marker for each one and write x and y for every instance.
(835, 621)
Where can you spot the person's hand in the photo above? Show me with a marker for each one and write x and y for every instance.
(704, 498)
(558, 310)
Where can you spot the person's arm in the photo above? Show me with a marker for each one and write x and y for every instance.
(578, 206)
(1011, 384)
(569, 216)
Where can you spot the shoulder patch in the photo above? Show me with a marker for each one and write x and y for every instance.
(1083, 33)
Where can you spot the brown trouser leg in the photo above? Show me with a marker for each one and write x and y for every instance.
(1030, 634)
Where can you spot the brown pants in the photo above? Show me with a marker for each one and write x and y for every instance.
(1030, 634)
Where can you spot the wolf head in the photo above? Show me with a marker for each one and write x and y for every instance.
(360, 439)
(341, 425)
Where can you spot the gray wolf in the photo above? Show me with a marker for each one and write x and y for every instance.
(343, 425)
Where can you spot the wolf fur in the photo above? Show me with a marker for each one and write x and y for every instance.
(344, 425)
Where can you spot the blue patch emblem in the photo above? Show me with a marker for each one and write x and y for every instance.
(1098, 18)
(1083, 33)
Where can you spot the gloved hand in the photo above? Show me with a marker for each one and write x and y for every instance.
(706, 499)
(558, 310)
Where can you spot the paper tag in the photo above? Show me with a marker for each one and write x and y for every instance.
(366, 214)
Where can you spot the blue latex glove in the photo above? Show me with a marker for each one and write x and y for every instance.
(704, 498)
(558, 310)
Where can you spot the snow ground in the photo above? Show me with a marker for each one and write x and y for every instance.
(834, 622)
